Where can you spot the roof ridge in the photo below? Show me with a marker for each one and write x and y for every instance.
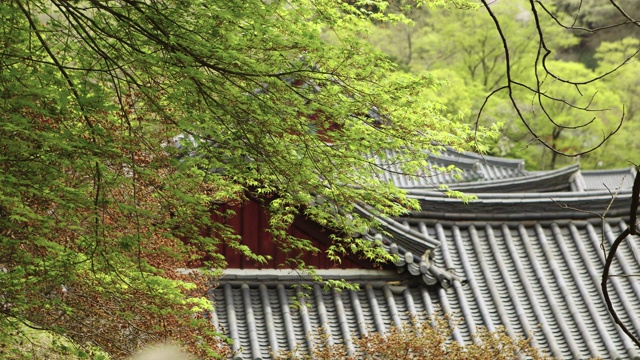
(629, 169)
(512, 197)
(517, 163)
(532, 182)
(524, 206)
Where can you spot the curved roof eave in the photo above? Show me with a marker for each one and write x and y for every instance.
(489, 159)
(523, 206)
(414, 250)
(402, 234)
(554, 180)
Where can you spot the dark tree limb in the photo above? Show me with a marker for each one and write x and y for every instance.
(540, 61)
(630, 230)
(590, 30)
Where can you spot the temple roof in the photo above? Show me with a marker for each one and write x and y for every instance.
(539, 279)
(484, 174)
(471, 168)
(527, 255)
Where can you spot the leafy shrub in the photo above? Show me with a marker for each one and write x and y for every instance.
(421, 340)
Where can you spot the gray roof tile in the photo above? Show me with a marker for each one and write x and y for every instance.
(241, 308)
(522, 276)
(535, 278)
(607, 179)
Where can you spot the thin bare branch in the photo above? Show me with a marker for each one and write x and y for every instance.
(631, 229)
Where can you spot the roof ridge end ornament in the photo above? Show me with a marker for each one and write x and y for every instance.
(432, 274)
(399, 240)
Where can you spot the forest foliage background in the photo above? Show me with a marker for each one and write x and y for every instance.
(462, 47)
(123, 124)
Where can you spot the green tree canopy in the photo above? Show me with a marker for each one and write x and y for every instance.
(464, 45)
(568, 118)
(122, 122)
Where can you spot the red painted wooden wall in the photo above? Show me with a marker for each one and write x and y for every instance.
(251, 222)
